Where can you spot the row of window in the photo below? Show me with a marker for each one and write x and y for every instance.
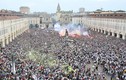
(109, 15)
(45, 19)
(118, 26)
(2, 32)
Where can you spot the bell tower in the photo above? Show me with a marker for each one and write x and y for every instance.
(58, 8)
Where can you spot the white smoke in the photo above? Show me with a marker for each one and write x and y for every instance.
(73, 29)
(57, 27)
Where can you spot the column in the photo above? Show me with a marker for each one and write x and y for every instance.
(117, 35)
(112, 34)
(104, 32)
(98, 30)
(11, 38)
(7, 41)
(109, 33)
(3, 43)
(123, 37)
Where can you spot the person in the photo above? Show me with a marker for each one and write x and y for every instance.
(71, 51)
(67, 32)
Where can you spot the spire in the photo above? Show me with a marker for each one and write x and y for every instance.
(58, 8)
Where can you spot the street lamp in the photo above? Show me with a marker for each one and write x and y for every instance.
(13, 63)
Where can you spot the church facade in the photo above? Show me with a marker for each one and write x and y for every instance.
(64, 17)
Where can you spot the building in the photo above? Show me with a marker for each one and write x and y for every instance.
(64, 17)
(34, 20)
(81, 10)
(111, 23)
(45, 19)
(25, 10)
(77, 17)
(108, 14)
(13, 24)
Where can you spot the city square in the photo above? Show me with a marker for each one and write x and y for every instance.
(65, 45)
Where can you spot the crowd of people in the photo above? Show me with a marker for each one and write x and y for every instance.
(98, 58)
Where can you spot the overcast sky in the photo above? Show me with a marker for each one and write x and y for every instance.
(51, 5)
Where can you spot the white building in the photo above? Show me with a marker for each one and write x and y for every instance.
(113, 24)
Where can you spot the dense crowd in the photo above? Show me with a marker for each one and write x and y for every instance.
(96, 58)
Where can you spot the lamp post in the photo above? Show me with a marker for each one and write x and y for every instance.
(1, 47)
(13, 70)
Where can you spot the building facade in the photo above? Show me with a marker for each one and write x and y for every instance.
(13, 24)
(109, 23)
(64, 17)
(45, 20)
(25, 10)
(81, 10)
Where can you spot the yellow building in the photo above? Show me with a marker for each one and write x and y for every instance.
(12, 25)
